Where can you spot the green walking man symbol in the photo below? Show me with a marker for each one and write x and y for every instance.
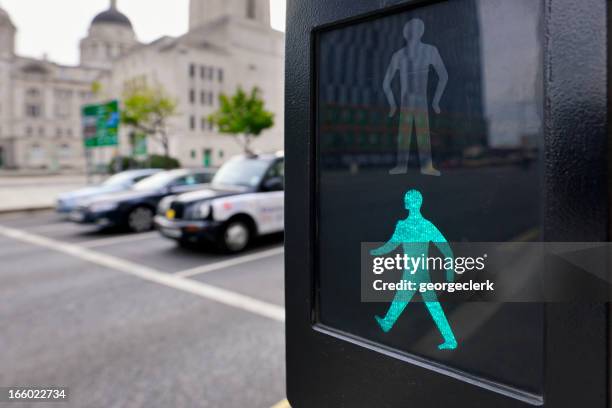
(414, 234)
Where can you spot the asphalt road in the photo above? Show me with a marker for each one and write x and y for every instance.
(134, 321)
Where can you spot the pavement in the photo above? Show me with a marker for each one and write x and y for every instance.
(18, 193)
(132, 320)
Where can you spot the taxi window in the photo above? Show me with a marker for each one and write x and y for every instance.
(277, 170)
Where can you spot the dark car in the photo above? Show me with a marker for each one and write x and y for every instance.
(135, 208)
(123, 181)
(245, 199)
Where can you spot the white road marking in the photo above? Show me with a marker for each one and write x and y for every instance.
(21, 215)
(95, 243)
(58, 226)
(187, 273)
(223, 296)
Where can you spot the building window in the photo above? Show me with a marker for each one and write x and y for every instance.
(37, 152)
(193, 154)
(210, 98)
(220, 75)
(192, 70)
(28, 131)
(210, 125)
(41, 131)
(64, 151)
(58, 132)
(202, 72)
(63, 94)
(192, 96)
(250, 11)
(203, 123)
(62, 110)
(192, 122)
(202, 97)
(63, 103)
(33, 93)
(33, 111)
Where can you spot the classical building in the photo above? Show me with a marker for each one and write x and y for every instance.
(229, 43)
(40, 101)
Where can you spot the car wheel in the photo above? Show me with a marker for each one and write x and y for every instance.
(140, 219)
(236, 236)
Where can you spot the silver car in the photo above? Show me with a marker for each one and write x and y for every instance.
(119, 182)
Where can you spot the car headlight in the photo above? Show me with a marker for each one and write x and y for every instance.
(102, 207)
(202, 210)
(164, 204)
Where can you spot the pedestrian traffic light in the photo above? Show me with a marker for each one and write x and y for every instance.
(438, 122)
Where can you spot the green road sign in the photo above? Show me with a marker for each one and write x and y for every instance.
(101, 124)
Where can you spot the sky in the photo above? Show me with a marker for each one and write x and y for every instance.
(55, 27)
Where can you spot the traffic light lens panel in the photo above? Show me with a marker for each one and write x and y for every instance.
(444, 101)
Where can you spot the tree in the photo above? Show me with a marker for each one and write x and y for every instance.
(148, 110)
(243, 116)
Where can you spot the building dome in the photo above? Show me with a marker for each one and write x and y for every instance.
(112, 16)
(7, 34)
(110, 36)
(5, 19)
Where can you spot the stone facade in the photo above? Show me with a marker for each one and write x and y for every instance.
(40, 125)
(229, 44)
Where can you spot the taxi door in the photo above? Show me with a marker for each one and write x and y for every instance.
(269, 201)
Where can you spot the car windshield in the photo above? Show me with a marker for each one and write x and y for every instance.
(245, 172)
(120, 179)
(156, 181)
